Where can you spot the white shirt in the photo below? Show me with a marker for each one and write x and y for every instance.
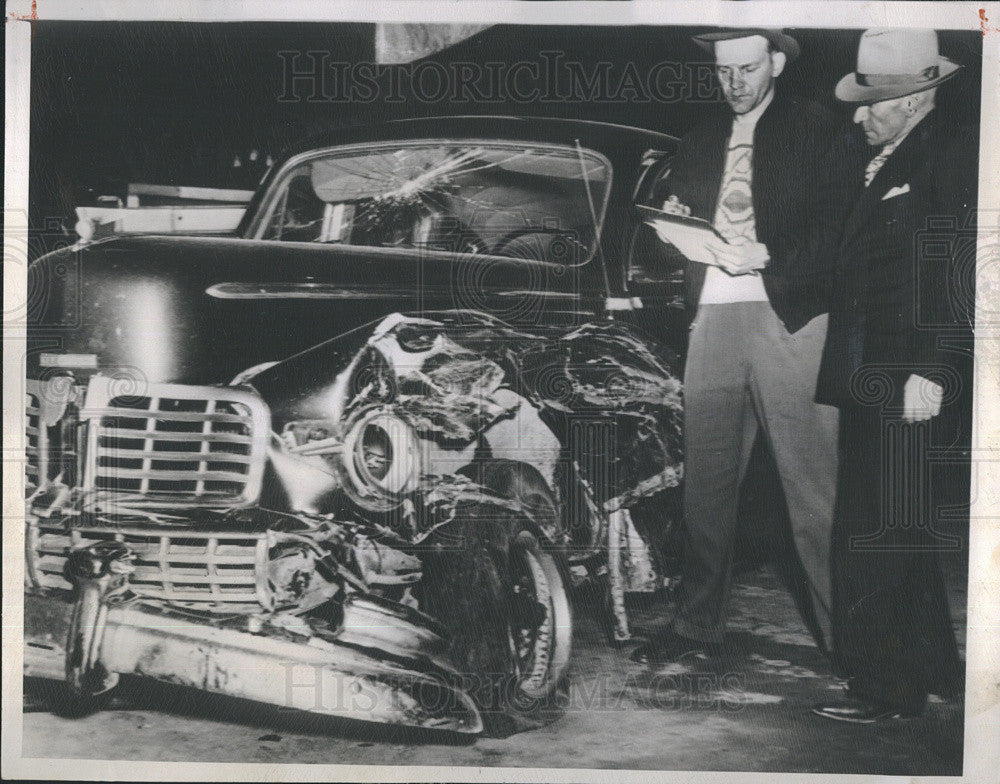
(735, 220)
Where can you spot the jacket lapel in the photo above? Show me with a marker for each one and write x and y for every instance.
(771, 144)
(900, 161)
(716, 146)
(711, 155)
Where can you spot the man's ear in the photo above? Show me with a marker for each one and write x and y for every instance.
(778, 61)
(918, 101)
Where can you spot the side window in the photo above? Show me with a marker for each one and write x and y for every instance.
(658, 193)
(650, 186)
(299, 213)
(650, 261)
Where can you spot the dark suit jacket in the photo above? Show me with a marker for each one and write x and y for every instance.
(896, 285)
(792, 176)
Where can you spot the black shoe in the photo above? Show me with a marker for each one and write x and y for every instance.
(860, 711)
(668, 647)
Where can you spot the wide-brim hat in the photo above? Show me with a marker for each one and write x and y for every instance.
(777, 37)
(893, 63)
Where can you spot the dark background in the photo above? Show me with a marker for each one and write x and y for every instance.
(178, 103)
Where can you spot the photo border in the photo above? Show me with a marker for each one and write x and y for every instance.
(982, 701)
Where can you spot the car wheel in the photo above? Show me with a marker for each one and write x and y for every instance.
(540, 619)
(503, 599)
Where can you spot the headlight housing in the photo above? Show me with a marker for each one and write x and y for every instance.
(381, 457)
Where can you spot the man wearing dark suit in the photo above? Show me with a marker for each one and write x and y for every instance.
(758, 302)
(883, 367)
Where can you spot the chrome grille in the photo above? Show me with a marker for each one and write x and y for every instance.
(217, 572)
(32, 436)
(174, 444)
(50, 446)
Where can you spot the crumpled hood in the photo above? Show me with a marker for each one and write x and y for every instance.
(462, 380)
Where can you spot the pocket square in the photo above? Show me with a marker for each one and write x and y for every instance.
(899, 190)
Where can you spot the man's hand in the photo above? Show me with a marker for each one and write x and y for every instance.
(738, 259)
(661, 231)
(674, 207)
(921, 398)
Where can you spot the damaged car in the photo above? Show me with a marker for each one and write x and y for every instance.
(369, 441)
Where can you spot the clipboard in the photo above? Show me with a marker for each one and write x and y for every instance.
(685, 233)
(687, 221)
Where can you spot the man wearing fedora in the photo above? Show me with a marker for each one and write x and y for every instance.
(883, 367)
(758, 302)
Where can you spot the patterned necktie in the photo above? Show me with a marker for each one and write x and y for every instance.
(879, 160)
(875, 164)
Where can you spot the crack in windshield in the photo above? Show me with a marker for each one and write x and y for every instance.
(528, 202)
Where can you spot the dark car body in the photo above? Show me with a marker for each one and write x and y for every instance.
(422, 332)
(201, 309)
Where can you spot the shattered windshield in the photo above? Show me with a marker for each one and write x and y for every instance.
(539, 202)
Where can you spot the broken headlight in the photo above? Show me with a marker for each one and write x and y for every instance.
(381, 458)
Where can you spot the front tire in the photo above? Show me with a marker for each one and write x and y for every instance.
(541, 619)
(503, 598)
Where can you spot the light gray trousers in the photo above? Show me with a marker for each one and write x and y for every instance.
(745, 371)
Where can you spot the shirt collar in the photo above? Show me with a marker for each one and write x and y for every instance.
(887, 149)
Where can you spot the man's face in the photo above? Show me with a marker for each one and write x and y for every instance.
(883, 121)
(746, 71)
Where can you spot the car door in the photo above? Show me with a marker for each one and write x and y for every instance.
(653, 272)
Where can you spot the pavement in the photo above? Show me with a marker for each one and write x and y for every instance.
(749, 712)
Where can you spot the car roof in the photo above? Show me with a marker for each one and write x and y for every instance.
(601, 136)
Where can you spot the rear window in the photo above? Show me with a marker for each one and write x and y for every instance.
(540, 202)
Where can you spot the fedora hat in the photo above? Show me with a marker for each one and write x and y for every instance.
(778, 39)
(893, 63)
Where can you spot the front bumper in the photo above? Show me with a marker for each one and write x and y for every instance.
(376, 668)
